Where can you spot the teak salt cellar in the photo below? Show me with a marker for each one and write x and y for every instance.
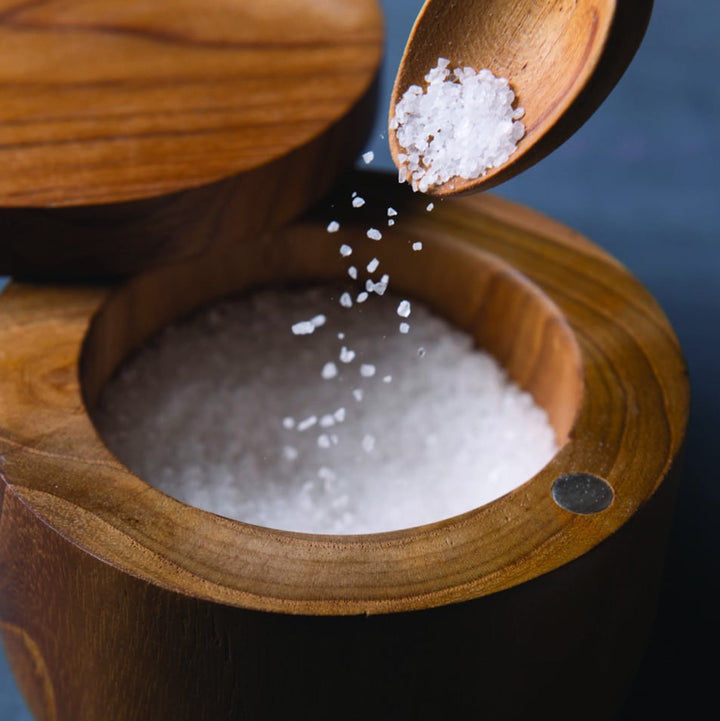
(119, 602)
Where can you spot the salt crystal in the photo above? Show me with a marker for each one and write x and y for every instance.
(333, 226)
(361, 297)
(358, 394)
(341, 336)
(290, 453)
(288, 422)
(404, 327)
(352, 272)
(367, 370)
(303, 327)
(329, 371)
(318, 320)
(323, 441)
(390, 222)
(327, 420)
(373, 265)
(339, 415)
(306, 423)
(403, 310)
(346, 300)
(387, 379)
(391, 212)
(368, 157)
(417, 245)
(346, 355)
(374, 234)
(461, 125)
(429, 206)
(368, 443)
(358, 202)
(345, 250)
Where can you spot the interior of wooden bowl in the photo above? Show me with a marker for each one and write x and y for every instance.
(507, 315)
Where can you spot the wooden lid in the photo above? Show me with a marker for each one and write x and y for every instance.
(114, 103)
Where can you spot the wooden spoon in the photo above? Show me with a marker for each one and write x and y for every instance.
(561, 57)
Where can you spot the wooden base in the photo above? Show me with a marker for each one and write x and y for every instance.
(118, 602)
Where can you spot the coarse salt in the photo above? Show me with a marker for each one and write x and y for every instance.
(460, 125)
(221, 414)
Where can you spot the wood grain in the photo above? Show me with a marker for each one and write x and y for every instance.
(121, 122)
(561, 57)
(104, 572)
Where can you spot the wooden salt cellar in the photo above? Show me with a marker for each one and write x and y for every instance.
(174, 141)
(118, 602)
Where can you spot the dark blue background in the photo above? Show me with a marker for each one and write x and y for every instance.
(641, 179)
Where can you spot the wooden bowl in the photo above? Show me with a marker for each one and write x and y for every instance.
(135, 133)
(119, 602)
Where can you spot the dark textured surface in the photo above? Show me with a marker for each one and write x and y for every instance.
(642, 179)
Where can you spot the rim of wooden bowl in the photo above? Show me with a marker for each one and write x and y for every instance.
(624, 409)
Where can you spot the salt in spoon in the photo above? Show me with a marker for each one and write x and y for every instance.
(561, 57)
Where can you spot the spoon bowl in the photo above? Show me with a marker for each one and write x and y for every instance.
(561, 57)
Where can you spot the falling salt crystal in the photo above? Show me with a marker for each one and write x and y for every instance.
(326, 474)
(358, 394)
(327, 420)
(346, 355)
(346, 300)
(361, 297)
(429, 206)
(323, 441)
(329, 371)
(374, 234)
(341, 335)
(390, 222)
(373, 265)
(288, 422)
(404, 327)
(367, 370)
(306, 423)
(345, 250)
(354, 194)
(417, 245)
(304, 327)
(368, 157)
(318, 320)
(358, 202)
(333, 226)
(290, 453)
(403, 310)
(391, 212)
(387, 379)
(352, 272)
(339, 415)
(368, 443)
